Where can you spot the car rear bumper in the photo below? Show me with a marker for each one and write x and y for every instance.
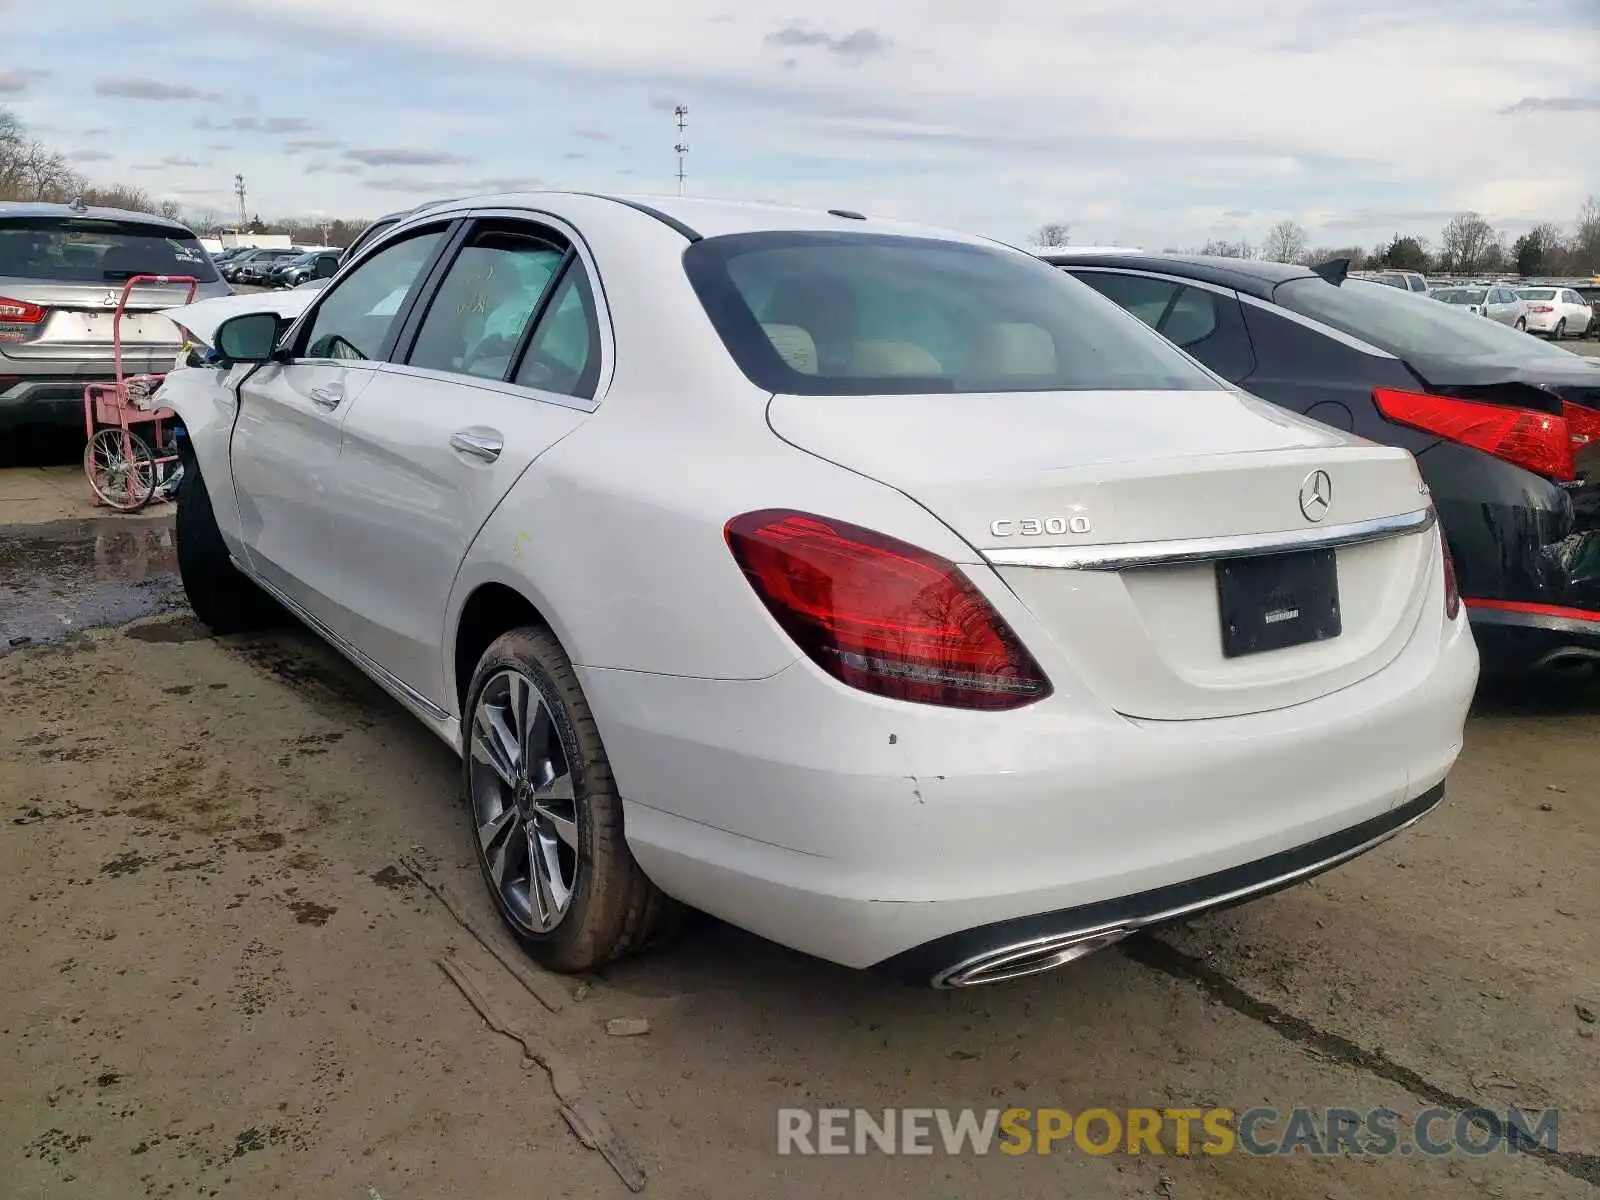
(50, 392)
(1517, 636)
(859, 829)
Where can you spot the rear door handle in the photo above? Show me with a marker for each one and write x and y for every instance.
(327, 397)
(479, 442)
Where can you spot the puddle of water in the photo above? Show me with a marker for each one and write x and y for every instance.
(68, 576)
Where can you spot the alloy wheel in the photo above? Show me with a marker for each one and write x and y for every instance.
(524, 807)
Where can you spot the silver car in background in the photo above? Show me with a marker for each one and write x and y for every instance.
(62, 272)
(1495, 301)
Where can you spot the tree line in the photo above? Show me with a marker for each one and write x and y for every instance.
(1468, 245)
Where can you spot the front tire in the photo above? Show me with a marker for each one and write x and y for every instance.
(223, 599)
(545, 814)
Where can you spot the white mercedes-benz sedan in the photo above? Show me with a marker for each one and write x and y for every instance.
(878, 589)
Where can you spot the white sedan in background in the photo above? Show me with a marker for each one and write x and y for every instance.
(1557, 312)
(881, 590)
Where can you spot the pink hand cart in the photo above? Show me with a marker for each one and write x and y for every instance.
(124, 467)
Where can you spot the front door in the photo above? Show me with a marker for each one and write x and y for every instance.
(504, 363)
(285, 444)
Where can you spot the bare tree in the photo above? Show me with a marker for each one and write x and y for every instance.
(170, 209)
(1286, 242)
(1052, 234)
(204, 220)
(1584, 249)
(1224, 249)
(1469, 244)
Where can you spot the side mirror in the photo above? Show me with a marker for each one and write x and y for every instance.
(250, 338)
(326, 268)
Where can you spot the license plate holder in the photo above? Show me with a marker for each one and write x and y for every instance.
(1277, 601)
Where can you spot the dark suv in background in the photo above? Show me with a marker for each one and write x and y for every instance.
(62, 272)
(1505, 427)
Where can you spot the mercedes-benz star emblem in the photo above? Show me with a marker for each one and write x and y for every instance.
(1316, 495)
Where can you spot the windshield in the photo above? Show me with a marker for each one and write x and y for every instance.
(1537, 293)
(87, 250)
(833, 314)
(1407, 325)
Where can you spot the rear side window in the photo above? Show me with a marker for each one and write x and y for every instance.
(830, 314)
(564, 355)
(1418, 284)
(477, 318)
(1184, 315)
(86, 250)
(1411, 326)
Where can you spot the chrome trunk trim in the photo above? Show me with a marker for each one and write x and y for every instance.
(1123, 556)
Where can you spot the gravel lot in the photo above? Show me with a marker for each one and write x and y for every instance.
(220, 976)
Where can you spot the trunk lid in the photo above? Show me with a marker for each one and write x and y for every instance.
(1037, 477)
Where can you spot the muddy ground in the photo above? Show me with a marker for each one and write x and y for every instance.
(220, 977)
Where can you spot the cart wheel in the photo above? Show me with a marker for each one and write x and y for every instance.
(124, 481)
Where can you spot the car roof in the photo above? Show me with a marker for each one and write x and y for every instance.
(12, 208)
(1251, 276)
(699, 217)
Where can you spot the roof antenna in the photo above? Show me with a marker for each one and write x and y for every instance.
(1335, 270)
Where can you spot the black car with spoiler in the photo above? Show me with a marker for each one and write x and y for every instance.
(1505, 427)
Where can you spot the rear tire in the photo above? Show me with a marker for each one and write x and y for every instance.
(1522, 324)
(221, 596)
(545, 815)
(1560, 331)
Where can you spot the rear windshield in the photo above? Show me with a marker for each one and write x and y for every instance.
(1410, 326)
(1537, 293)
(834, 314)
(85, 250)
(1461, 296)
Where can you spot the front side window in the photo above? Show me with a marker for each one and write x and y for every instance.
(476, 320)
(88, 250)
(866, 314)
(357, 317)
(564, 355)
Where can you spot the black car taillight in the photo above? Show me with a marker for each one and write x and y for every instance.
(1538, 441)
(881, 615)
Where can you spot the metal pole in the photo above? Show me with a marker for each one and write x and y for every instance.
(681, 112)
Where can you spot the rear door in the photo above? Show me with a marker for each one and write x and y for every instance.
(502, 360)
(286, 440)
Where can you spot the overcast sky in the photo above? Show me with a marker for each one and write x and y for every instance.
(1155, 123)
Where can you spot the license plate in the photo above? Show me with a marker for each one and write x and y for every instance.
(1277, 601)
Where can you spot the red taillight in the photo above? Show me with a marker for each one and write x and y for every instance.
(1540, 308)
(1583, 424)
(1452, 593)
(881, 615)
(1535, 440)
(19, 312)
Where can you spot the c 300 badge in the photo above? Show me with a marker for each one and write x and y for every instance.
(1039, 526)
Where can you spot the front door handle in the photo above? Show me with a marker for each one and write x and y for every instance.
(479, 442)
(327, 397)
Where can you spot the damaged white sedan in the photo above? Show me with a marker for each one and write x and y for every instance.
(880, 590)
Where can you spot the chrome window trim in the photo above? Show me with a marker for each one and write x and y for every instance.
(1123, 556)
(1198, 284)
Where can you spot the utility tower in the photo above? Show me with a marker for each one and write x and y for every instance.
(238, 190)
(681, 112)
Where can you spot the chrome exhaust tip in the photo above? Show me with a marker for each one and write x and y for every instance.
(1028, 958)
